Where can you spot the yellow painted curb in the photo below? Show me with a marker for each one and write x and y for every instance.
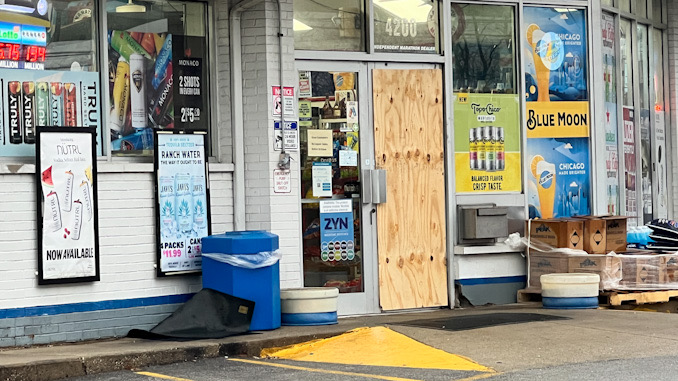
(376, 346)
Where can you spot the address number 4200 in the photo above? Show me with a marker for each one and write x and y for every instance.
(401, 27)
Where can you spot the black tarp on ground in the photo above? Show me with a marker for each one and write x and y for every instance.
(209, 314)
(467, 322)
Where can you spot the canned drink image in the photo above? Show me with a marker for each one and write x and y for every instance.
(473, 149)
(162, 63)
(199, 201)
(68, 192)
(490, 134)
(482, 147)
(56, 103)
(53, 213)
(120, 97)
(77, 220)
(28, 111)
(501, 154)
(42, 104)
(70, 105)
(138, 107)
(167, 204)
(14, 117)
(86, 195)
(163, 99)
(184, 200)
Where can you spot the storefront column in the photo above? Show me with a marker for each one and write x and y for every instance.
(265, 209)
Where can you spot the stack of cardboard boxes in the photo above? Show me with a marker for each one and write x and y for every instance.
(595, 245)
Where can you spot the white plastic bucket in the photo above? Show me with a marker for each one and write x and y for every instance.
(573, 285)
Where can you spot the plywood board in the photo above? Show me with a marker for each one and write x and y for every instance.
(408, 131)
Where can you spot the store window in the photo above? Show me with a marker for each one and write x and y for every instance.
(486, 103)
(48, 70)
(624, 5)
(157, 66)
(330, 180)
(645, 139)
(611, 132)
(329, 25)
(659, 149)
(628, 114)
(406, 26)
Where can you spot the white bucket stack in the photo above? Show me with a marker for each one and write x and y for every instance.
(570, 291)
(309, 306)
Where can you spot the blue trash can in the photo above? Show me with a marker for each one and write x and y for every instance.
(260, 285)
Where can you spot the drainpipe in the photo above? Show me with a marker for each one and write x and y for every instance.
(283, 155)
(237, 119)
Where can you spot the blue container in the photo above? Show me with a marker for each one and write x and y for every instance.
(567, 303)
(244, 242)
(262, 285)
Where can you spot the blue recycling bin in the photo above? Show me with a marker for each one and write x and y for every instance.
(260, 285)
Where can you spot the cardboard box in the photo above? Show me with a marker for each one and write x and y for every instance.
(671, 264)
(558, 233)
(544, 263)
(615, 233)
(609, 268)
(643, 271)
(595, 233)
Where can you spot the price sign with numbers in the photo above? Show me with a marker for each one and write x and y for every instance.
(189, 94)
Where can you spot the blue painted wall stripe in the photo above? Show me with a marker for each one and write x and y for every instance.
(92, 306)
(503, 279)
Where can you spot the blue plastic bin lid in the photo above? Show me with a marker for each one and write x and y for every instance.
(240, 242)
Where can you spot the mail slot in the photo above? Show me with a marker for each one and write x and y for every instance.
(483, 223)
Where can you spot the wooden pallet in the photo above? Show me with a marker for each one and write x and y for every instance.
(527, 295)
(617, 298)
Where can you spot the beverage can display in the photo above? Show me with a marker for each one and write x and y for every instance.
(70, 105)
(473, 149)
(42, 104)
(28, 111)
(68, 192)
(167, 205)
(490, 148)
(14, 117)
(199, 207)
(77, 220)
(120, 97)
(482, 147)
(159, 40)
(148, 43)
(86, 195)
(126, 45)
(53, 212)
(161, 63)
(184, 200)
(138, 107)
(163, 99)
(501, 154)
(56, 104)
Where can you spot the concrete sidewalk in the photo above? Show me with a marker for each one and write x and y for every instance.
(584, 335)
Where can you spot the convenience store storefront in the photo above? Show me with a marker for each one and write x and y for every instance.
(388, 108)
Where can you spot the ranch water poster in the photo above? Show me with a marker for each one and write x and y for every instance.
(182, 201)
(67, 205)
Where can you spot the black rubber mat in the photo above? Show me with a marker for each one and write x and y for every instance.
(463, 323)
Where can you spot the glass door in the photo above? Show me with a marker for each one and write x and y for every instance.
(337, 243)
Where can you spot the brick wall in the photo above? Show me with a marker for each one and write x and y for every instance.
(279, 213)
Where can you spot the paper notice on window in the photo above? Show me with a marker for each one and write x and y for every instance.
(348, 158)
(320, 143)
(322, 179)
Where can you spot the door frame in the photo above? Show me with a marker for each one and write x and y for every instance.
(366, 302)
(449, 192)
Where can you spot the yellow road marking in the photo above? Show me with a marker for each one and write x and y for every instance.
(377, 346)
(164, 377)
(326, 371)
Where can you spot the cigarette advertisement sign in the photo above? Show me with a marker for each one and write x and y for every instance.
(336, 230)
(67, 205)
(557, 112)
(30, 99)
(182, 195)
(157, 81)
(487, 143)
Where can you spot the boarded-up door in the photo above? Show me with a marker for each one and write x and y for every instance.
(408, 134)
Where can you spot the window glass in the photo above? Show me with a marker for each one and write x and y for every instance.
(607, 2)
(627, 79)
(482, 44)
(628, 114)
(645, 143)
(611, 127)
(624, 5)
(48, 70)
(329, 25)
(640, 8)
(659, 149)
(157, 66)
(406, 26)
(657, 10)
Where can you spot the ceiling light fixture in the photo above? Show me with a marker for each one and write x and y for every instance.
(130, 8)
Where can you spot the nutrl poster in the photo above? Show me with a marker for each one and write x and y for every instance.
(557, 112)
(67, 205)
(182, 201)
(30, 99)
(336, 230)
(487, 143)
